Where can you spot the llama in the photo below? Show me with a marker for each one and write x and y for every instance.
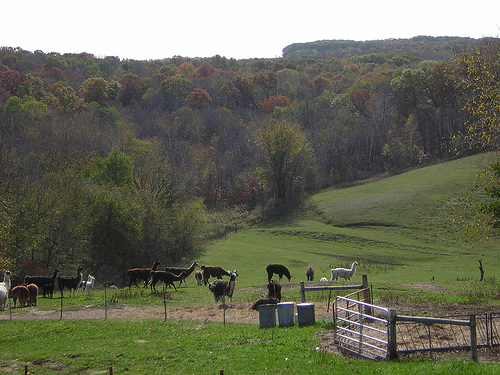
(141, 274)
(32, 294)
(264, 301)
(343, 272)
(310, 274)
(69, 282)
(43, 282)
(4, 290)
(279, 270)
(178, 270)
(273, 296)
(198, 275)
(222, 288)
(209, 271)
(20, 293)
(274, 289)
(88, 285)
(167, 277)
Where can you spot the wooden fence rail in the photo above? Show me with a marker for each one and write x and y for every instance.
(304, 289)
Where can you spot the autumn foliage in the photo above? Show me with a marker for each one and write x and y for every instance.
(110, 162)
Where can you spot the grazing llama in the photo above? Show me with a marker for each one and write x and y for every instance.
(279, 270)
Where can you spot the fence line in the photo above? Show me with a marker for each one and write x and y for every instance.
(377, 334)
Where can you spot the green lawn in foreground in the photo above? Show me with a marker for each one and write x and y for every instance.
(185, 347)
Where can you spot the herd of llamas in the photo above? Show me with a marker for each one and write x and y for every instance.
(27, 293)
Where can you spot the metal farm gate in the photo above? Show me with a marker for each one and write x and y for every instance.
(374, 332)
(361, 328)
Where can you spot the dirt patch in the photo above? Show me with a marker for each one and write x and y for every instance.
(236, 312)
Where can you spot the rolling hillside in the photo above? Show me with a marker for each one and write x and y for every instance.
(400, 229)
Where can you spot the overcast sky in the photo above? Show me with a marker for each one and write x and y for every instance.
(154, 29)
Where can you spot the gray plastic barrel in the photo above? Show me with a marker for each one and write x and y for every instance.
(267, 316)
(305, 314)
(285, 314)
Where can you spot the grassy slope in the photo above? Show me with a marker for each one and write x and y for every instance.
(406, 236)
(400, 228)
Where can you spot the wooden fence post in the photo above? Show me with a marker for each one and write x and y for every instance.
(334, 311)
(473, 337)
(392, 347)
(302, 292)
(366, 294)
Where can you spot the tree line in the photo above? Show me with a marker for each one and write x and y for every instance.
(111, 163)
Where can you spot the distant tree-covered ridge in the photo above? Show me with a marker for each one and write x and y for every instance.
(423, 47)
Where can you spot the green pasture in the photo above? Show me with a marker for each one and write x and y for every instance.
(188, 347)
(401, 229)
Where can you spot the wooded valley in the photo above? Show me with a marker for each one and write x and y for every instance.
(110, 163)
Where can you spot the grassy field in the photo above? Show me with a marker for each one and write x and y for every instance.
(400, 229)
(186, 347)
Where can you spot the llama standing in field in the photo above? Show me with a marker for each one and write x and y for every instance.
(141, 273)
(310, 274)
(279, 270)
(69, 282)
(209, 271)
(20, 293)
(167, 277)
(343, 272)
(198, 275)
(43, 282)
(33, 294)
(88, 285)
(186, 271)
(4, 290)
(222, 288)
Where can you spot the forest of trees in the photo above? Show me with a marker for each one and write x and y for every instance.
(111, 163)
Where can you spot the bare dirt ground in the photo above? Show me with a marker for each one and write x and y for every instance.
(235, 312)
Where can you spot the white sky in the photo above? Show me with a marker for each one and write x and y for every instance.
(157, 29)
